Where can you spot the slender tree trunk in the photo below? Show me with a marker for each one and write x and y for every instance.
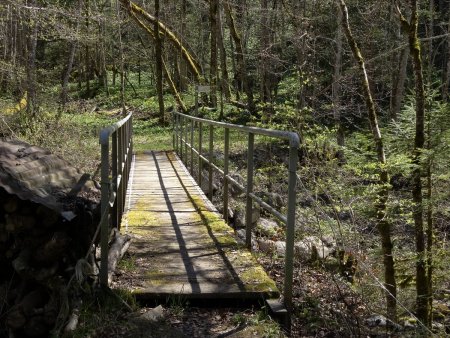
(121, 58)
(31, 72)
(136, 11)
(429, 230)
(264, 40)
(159, 64)
(336, 86)
(72, 52)
(213, 70)
(398, 86)
(240, 60)
(383, 224)
(419, 141)
(446, 76)
(65, 82)
(225, 81)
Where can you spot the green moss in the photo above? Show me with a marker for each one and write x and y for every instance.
(256, 279)
(155, 277)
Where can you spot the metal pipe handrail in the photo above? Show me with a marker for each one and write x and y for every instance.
(181, 145)
(293, 138)
(114, 181)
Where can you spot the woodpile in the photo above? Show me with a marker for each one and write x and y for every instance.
(47, 222)
(39, 249)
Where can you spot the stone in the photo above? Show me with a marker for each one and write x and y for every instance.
(266, 245)
(266, 227)
(234, 190)
(153, 315)
(377, 320)
(205, 183)
(280, 247)
(239, 217)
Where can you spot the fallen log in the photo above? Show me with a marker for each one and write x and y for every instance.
(118, 248)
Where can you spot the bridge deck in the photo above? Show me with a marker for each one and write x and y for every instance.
(181, 245)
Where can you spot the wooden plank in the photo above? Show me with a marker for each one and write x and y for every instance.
(181, 245)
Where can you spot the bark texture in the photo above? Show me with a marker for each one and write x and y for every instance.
(383, 224)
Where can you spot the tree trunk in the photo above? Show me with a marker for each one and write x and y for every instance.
(213, 13)
(446, 76)
(419, 141)
(121, 58)
(398, 86)
(31, 72)
(240, 60)
(73, 48)
(225, 81)
(383, 224)
(159, 64)
(194, 66)
(336, 86)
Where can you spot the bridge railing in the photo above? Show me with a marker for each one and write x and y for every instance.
(183, 139)
(115, 169)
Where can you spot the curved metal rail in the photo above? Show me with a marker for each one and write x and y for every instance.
(185, 124)
(114, 181)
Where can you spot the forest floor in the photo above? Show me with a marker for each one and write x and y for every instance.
(325, 303)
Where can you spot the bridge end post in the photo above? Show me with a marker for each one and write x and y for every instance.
(104, 227)
(290, 229)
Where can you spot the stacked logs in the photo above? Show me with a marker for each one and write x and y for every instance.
(39, 249)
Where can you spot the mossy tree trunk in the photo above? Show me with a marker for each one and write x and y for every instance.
(159, 63)
(383, 223)
(241, 68)
(213, 67)
(422, 292)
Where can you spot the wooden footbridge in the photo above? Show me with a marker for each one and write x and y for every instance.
(181, 244)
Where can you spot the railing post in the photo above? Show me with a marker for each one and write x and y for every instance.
(210, 171)
(104, 234)
(177, 130)
(121, 159)
(200, 160)
(181, 137)
(186, 141)
(225, 174)
(192, 147)
(173, 130)
(115, 179)
(249, 202)
(290, 228)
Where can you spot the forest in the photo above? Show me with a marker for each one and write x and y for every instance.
(365, 84)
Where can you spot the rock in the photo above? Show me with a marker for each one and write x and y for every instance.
(314, 248)
(205, 183)
(241, 235)
(266, 245)
(382, 321)
(239, 217)
(377, 320)
(266, 227)
(234, 190)
(280, 247)
(272, 199)
(153, 315)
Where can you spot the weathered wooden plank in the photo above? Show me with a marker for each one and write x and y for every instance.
(181, 244)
